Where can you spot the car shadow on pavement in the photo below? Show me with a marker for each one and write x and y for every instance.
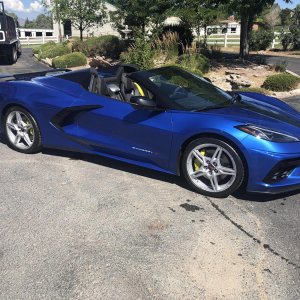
(260, 197)
(173, 179)
(119, 165)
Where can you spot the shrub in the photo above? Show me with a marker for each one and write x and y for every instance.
(140, 53)
(44, 47)
(106, 45)
(295, 32)
(286, 40)
(281, 82)
(184, 33)
(71, 60)
(52, 51)
(193, 62)
(280, 66)
(260, 40)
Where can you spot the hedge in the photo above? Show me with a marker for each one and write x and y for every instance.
(253, 90)
(196, 63)
(50, 50)
(281, 82)
(106, 45)
(71, 60)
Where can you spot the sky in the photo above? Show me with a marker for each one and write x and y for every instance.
(24, 8)
(31, 8)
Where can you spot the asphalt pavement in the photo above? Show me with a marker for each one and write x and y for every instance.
(75, 226)
(25, 64)
(293, 63)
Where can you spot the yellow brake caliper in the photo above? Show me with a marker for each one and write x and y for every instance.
(197, 163)
(31, 131)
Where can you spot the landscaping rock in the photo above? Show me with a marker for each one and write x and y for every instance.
(237, 81)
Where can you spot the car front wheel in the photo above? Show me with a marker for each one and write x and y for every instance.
(21, 131)
(212, 167)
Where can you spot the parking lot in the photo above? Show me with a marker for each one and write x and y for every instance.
(76, 226)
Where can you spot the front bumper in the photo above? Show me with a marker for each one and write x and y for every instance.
(273, 173)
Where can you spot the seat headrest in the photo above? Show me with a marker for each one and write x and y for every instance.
(128, 84)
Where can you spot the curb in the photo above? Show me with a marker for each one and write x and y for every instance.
(292, 73)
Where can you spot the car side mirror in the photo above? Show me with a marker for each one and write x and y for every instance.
(143, 102)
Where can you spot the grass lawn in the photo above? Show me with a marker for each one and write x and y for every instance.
(30, 46)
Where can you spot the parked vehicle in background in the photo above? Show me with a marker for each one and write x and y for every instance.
(10, 46)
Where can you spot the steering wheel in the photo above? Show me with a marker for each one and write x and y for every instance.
(179, 92)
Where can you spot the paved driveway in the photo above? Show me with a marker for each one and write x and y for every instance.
(76, 226)
(25, 64)
(293, 62)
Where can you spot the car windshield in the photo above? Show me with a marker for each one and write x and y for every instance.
(185, 91)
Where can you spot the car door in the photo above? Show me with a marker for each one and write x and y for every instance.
(119, 129)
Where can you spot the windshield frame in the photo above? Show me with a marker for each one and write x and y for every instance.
(162, 98)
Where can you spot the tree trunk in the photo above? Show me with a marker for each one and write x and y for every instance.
(59, 31)
(205, 37)
(244, 39)
(81, 31)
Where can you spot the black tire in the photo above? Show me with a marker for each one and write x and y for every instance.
(13, 55)
(228, 151)
(34, 131)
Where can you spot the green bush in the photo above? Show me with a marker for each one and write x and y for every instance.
(51, 51)
(193, 62)
(281, 82)
(281, 66)
(44, 47)
(295, 32)
(286, 40)
(70, 60)
(106, 45)
(140, 53)
(260, 40)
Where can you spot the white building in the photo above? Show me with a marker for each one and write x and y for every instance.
(68, 30)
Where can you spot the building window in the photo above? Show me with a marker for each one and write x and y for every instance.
(49, 33)
(39, 33)
(233, 30)
(28, 33)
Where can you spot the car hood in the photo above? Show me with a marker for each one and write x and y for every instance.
(262, 111)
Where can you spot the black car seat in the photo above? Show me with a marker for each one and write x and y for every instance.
(97, 84)
(130, 88)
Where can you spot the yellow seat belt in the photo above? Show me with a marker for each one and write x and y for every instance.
(139, 89)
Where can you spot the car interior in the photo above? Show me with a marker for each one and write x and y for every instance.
(113, 83)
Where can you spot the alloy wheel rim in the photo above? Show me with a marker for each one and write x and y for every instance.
(20, 130)
(211, 168)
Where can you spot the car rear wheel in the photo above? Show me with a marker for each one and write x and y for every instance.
(212, 167)
(21, 131)
(13, 55)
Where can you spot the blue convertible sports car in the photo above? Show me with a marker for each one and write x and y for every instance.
(165, 119)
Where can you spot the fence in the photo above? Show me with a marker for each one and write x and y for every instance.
(225, 40)
(37, 40)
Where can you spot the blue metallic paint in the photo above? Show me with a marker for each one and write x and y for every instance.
(154, 139)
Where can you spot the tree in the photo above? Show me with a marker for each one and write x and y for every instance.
(295, 28)
(247, 11)
(82, 13)
(271, 16)
(58, 10)
(29, 24)
(200, 15)
(286, 16)
(139, 14)
(85, 13)
(44, 22)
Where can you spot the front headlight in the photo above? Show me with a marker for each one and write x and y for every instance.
(267, 134)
